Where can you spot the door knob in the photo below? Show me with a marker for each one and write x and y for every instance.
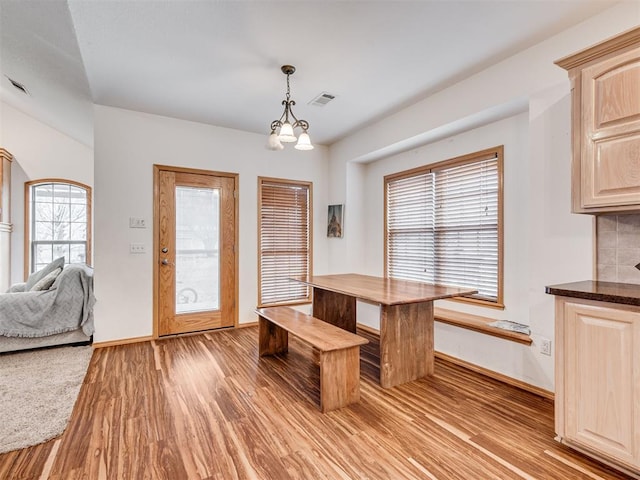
(165, 250)
(165, 261)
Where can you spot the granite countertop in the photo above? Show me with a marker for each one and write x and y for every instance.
(614, 292)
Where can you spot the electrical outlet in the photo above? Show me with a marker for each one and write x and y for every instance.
(545, 346)
(137, 248)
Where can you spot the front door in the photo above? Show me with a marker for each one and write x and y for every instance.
(195, 250)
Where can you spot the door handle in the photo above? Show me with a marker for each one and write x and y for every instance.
(164, 261)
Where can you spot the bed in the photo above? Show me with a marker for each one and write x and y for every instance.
(53, 307)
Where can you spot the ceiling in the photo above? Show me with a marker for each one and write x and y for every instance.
(218, 62)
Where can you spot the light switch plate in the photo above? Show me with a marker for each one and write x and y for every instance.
(135, 222)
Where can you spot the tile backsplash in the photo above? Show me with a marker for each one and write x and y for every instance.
(618, 248)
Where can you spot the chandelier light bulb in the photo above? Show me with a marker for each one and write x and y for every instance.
(304, 142)
(274, 142)
(286, 133)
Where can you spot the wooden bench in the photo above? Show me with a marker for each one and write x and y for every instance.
(339, 351)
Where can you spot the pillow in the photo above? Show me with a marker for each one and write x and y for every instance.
(45, 282)
(17, 288)
(40, 274)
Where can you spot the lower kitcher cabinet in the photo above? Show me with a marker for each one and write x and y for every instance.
(598, 380)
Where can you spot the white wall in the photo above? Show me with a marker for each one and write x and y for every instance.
(500, 91)
(491, 93)
(127, 144)
(544, 243)
(39, 151)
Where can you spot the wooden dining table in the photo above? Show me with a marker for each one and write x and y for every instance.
(406, 317)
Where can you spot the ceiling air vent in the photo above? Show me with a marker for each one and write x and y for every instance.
(18, 85)
(322, 99)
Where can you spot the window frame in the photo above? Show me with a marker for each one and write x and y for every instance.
(490, 153)
(28, 256)
(309, 186)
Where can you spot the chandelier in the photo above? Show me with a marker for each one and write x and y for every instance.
(282, 130)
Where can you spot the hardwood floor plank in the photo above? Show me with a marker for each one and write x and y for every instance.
(574, 466)
(422, 469)
(302, 465)
(46, 470)
(207, 407)
(25, 464)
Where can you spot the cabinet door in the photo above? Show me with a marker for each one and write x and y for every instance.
(611, 131)
(602, 401)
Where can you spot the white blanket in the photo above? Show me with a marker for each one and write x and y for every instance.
(66, 306)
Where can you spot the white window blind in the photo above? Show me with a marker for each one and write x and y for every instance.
(443, 226)
(284, 242)
(410, 239)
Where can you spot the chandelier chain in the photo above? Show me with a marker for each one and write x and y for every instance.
(288, 89)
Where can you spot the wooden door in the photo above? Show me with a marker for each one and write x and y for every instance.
(611, 131)
(601, 379)
(195, 251)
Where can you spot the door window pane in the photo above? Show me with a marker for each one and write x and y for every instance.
(197, 249)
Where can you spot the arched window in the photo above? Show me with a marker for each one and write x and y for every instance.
(58, 222)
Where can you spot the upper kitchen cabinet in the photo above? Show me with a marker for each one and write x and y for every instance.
(605, 91)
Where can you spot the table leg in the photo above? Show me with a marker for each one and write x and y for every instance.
(406, 342)
(335, 308)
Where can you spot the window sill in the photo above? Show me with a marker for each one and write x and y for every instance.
(478, 302)
(285, 304)
(478, 324)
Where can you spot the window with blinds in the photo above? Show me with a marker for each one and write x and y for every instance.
(444, 224)
(284, 243)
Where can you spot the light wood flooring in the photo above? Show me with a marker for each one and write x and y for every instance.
(205, 407)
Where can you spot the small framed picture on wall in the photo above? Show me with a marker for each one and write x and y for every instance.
(334, 223)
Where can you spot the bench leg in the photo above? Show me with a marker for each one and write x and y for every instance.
(339, 378)
(272, 339)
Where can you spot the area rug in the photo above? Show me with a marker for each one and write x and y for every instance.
(37, 392)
